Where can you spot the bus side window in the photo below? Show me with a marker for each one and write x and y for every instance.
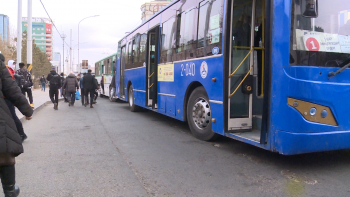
(143, 42)
(136, 50)
(210, 27)
(128, 62)
(168, 34)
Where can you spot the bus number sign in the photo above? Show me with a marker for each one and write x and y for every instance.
(188, 69)
(312, 44)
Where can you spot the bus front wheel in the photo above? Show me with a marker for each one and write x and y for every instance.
(131, 99)
(199, 115)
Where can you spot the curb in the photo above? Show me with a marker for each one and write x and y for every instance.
(36, 109)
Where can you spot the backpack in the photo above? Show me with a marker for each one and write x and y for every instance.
(55, 80)
(24, 79)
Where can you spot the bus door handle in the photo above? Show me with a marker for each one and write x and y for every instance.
(251, 68)
(241, 63)
(150, 75)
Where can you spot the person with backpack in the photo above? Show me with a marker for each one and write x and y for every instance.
(70, 86)
(26, 82)
(11, 68)
(90, 87)
(10, 142)
(55, 84)
(43, 83)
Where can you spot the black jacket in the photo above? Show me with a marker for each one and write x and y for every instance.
(42, 80)
(54, 79)
(89, 82)
(10, 141)
(71, 83)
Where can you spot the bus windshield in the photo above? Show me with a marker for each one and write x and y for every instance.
(324, 40)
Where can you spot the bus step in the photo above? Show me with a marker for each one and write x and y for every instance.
(252, 135)
(257, 119)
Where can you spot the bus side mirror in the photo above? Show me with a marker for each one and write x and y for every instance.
(310, 8)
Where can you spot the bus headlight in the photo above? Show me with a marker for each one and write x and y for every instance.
(313, 111)
(324, 113)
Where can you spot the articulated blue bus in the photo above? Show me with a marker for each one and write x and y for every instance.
(270, 73)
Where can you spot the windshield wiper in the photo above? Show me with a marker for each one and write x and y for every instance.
(343, 65)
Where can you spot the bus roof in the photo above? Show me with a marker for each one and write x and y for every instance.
(106, 57)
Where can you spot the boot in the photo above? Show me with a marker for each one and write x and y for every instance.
(11, 190)
(91, 106)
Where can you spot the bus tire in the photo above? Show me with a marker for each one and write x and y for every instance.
(199, 115)
(111, 94)
(131, 100)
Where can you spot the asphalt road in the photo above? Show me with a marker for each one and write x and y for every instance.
(110, 151)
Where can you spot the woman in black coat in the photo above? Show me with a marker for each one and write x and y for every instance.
(10, 140)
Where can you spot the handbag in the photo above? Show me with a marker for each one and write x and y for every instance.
(77, 95)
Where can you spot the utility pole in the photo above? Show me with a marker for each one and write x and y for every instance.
(29, 37)
(63, 37)
(19, 34)
(70, 55)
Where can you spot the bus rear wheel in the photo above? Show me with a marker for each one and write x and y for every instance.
(131, 99)
(199, 115)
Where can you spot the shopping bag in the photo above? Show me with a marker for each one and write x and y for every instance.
(77, 95)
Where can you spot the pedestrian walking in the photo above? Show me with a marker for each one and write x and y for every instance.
(71, 85)
(90, 87)
(10, 141)
(26, 82)
(55, 84)
(96, 91)
(11, 68)
(103, 84)
(82, 89)
(43, 83)
(62, 81)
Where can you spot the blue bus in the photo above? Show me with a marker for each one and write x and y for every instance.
(270, 73)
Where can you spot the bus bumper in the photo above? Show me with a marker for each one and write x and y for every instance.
(288, 143)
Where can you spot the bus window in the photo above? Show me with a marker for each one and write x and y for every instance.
(128, 62)
(186, 34)
(135, 49)
(190, 32)
(178, 34)
(209, 26)
(321, 41)
(167, 40)
(143, 48)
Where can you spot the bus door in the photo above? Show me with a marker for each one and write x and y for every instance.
(244, 89)
(152, 74)
(123, 56)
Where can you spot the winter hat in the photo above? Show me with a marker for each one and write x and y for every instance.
(11, 64)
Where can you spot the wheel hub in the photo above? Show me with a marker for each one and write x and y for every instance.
(201, 114)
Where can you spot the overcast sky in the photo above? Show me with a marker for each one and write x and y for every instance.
(98, 36)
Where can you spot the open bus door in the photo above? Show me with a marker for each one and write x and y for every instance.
(121, 70)
(246, 68)
(152, 71)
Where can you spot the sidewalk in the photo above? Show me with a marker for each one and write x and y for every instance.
(40, 98)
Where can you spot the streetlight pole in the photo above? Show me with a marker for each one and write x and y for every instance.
(78, 35)
(63, 37)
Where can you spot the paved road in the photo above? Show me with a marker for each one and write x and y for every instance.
(110, 151)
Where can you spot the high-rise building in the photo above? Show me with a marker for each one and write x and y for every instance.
(150, 8)
(42, 34)
(4, 27)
